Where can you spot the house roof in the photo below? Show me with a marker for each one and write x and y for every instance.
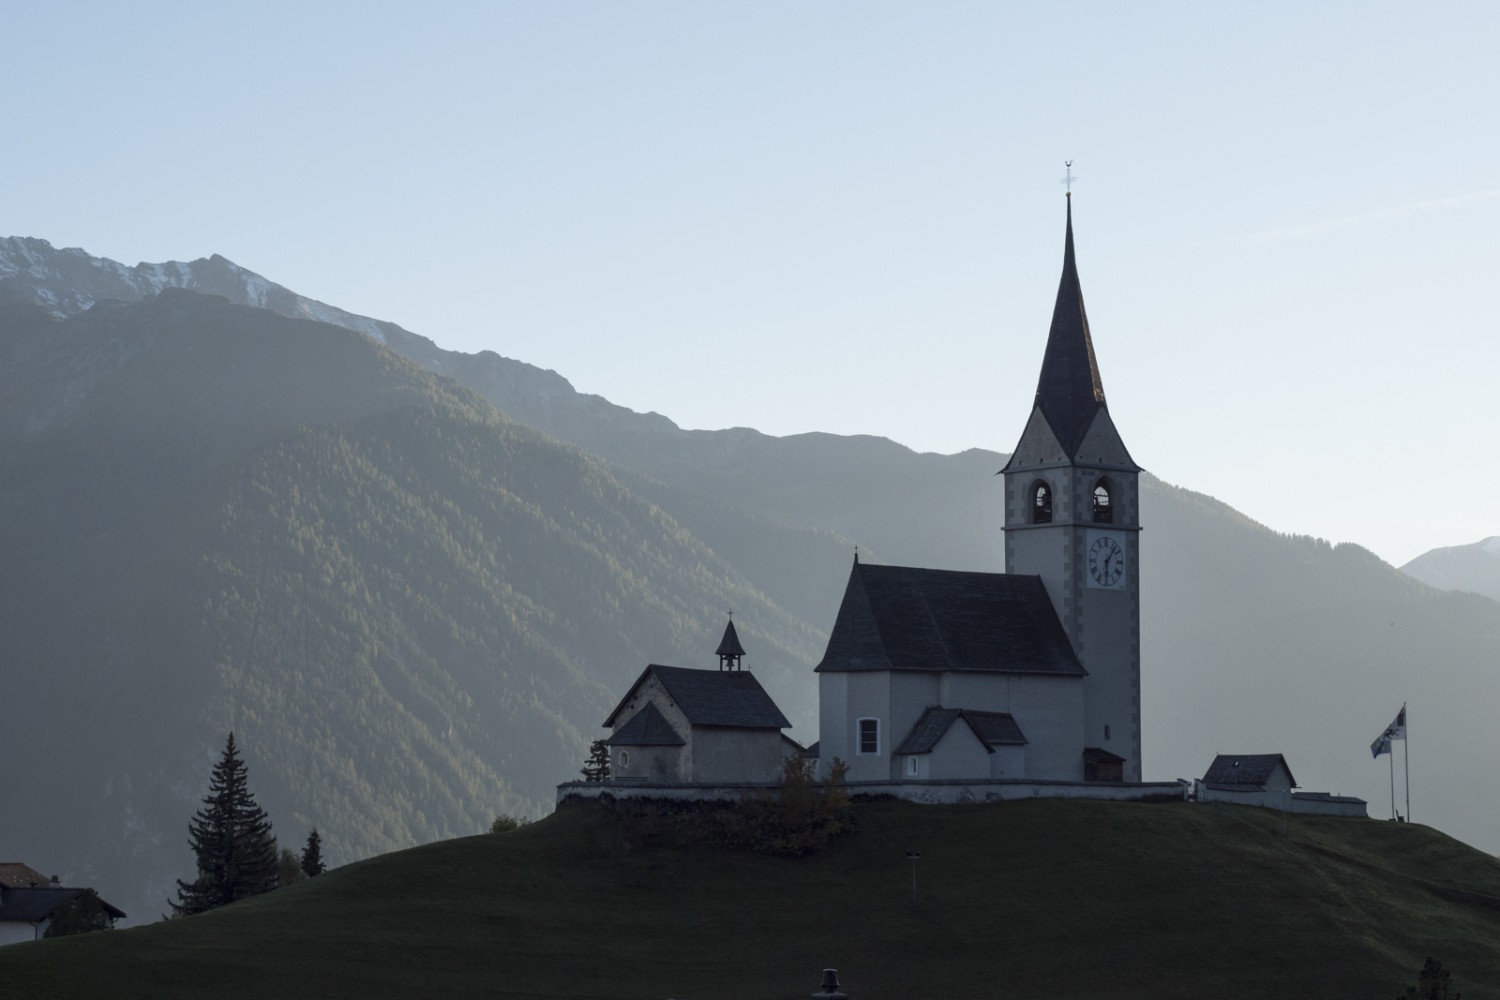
(646, 728)
(1069, 392)
(901, 618)
(1245, 769)
(730, 698)
(33, 905)
(1098, 755)
(813, 749)
(18, 876)
(991, 728)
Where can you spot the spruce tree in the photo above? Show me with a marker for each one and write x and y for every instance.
(231, 837)
(312, 855)
(597, 766)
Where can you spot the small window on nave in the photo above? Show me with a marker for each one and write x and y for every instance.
(1104, 511)
(1041, 503)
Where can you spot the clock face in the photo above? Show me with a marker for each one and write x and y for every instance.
(1106, 562)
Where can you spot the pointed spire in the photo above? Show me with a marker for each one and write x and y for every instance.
(730, 650)
(1069, 391)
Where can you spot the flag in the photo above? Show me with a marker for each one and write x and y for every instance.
(1395, 731)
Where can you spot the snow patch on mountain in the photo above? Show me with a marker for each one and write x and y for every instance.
(68, 281)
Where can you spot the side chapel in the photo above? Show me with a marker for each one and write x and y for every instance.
(1032, 673)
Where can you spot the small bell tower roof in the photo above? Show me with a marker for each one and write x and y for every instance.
(730, 650)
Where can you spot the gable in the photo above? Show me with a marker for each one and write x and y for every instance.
(732, 699)
(1102, 443)
(1038, 444)
(901, 618)
(646, 728)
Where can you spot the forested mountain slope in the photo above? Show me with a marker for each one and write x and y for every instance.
(413, 612)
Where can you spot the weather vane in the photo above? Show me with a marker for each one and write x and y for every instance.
(1068, 178)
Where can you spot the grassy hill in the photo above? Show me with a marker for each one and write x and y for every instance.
(1033, 899)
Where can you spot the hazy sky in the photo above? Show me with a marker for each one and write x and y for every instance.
(846, 216)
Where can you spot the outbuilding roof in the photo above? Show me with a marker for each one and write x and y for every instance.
(646, 728)
(729, 698)
(991, 728)
(33, 905)
(902, 618)
(1245, 769)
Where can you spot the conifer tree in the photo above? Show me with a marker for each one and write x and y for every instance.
(597, 767)
(312, 855)
(231, 838)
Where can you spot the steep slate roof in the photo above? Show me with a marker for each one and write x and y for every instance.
(1070, 391)
(992, 729)
(33, 905)
(646, 728)
(900, 618)
(1245, 769)
(730, 644)
(730, 698)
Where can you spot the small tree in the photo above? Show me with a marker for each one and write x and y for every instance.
(288, 867)
(597, 766)
(231, 837)
(85, 913)
(1433, 983)
(312, 855)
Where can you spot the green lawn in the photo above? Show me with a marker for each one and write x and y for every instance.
(1032, 899)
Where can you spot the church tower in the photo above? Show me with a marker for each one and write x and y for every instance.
(1072, 517)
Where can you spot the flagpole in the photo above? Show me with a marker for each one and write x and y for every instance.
(1406, 754)
(1393, 784)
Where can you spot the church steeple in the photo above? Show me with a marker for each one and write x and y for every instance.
(1069, 392)
(730, 651)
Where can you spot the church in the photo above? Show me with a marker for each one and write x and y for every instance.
(1029, 676)
(1033, 673)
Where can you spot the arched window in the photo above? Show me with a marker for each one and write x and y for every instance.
(1104, 509)
(1041, 503)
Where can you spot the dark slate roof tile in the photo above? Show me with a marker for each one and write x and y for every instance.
(1069, 391)
(1245, 769)
(992, 728)
(901, 618)
(730, 698)
(647, 728)
(730, 644)
(32, 905)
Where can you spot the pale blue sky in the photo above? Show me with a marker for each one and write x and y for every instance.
(846, 216)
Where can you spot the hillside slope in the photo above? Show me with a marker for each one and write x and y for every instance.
(1045, 898)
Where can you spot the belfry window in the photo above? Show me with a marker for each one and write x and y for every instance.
(1104, 511)
(1041, 503)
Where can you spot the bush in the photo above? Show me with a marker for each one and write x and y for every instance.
(505, 823)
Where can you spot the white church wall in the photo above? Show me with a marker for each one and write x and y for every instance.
(733, 755)
(833, 721)
(868, 696)
(647, 763)
(1049, 711)
(1008, 762)
(959, 754)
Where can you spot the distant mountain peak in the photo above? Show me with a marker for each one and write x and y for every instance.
(1474, 567)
